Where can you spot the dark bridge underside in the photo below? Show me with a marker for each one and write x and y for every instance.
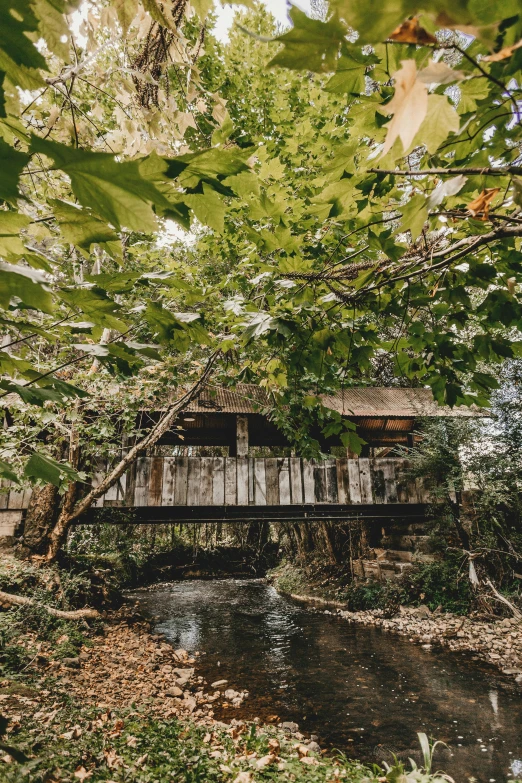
(294, 513)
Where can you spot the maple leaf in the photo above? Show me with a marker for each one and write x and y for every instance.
(411, 32)
(408, 106)
(480, 205)
(82, 774)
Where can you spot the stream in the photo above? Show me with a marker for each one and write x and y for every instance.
(361, 690)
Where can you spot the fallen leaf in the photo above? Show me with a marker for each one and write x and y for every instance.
(142, 759)
(265, 761)
(274, 746)
(408, 105)
(82, 774)
(243, 777)
(410, 31)
(74, 733)
(503, 54)
(480, 205)
(131, 742)
(112, 759)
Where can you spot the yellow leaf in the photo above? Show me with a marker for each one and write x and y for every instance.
(408, 106)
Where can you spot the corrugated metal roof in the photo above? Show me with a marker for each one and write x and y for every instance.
(245, 398)
(397, 403)
(357, 402)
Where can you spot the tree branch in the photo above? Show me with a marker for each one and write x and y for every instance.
(66, 516)
(486, 171)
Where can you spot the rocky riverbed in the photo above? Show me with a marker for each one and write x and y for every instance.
(498, 642)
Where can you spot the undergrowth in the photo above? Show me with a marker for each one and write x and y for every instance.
(89, 744)
(440, 583)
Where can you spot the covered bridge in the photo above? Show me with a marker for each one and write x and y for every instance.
(225, 460)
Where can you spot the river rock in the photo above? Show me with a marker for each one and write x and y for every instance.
(290, 726)
(218, 683)
(183, 675)
(314, 747)
(174, 691)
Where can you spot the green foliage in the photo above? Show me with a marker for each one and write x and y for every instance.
(445, 584)
(351, 201)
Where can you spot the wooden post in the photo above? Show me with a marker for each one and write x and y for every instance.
(241, 436)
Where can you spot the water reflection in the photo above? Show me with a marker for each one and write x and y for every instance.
(359, 689)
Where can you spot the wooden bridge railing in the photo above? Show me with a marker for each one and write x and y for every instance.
(243, 481)
(215, 483)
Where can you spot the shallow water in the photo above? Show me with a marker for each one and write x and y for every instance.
(361, 690)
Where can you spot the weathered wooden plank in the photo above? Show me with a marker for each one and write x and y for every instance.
(296, 480)
(423, 490)
(155, 481)
(259, 482)
(141, 493)
(242, 481)
(130, 489)
(390, 482)
(272, 481)
(181, 483)
(284, 481)
(121, 485)
(330, 468)
(378, 481)
(230, 481)
(169, 481)
(366, 480)
(251, 481)
(97, 478)
(218, 481)
(27, 497)
(343, 481)
(205, 491)
(16, 497)
(112, 493)
(354, 480)
(242, 436)
(194, 481)
(320, 482)
(308, 481)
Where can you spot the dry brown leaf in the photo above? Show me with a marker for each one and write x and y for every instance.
(503, 54)
(481, 205)
(82, 774)
(112, 759)
(265, 761)
(410, 31)
(244, 777)
(409, 106)
(274, 746)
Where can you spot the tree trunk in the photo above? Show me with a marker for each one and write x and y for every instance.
(70, 512)
(39, 518)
